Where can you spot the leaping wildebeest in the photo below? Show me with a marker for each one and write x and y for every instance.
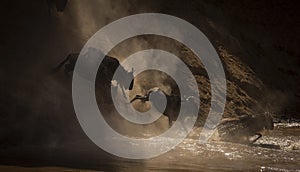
(244, 129)
(173, 103)
(105, 73)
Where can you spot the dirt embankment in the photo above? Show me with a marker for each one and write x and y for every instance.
(258, 44)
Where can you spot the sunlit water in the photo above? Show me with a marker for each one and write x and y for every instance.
(277, 150)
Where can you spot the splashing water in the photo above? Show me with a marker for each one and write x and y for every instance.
(277, 150)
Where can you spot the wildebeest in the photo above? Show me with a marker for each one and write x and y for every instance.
(242, 129)
(173, 103)
(105, 73)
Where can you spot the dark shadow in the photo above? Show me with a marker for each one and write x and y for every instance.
(268, 146)
(87, 156)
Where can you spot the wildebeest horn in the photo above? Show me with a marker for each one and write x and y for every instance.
(143, 98)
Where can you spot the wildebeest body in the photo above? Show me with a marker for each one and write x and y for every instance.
(105, 74)
(173, 106)
(242, 128)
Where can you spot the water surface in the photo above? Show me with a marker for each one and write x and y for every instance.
(277, 150)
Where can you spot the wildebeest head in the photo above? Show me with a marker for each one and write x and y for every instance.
(125, 78)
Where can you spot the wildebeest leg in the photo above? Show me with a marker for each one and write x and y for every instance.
(183, 125)
(258, 136)
(170, 120)
(123, 92)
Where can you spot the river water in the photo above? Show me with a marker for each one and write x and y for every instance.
(277, 150)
